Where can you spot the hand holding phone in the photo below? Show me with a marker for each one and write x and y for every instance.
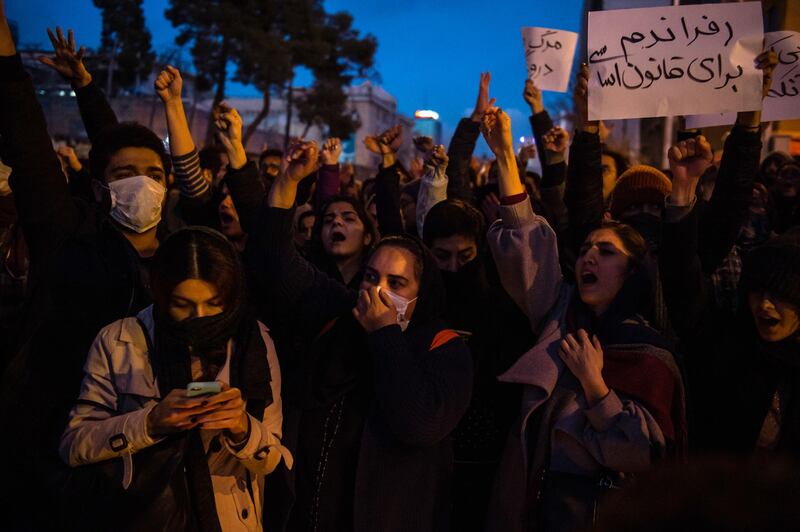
(197, 389)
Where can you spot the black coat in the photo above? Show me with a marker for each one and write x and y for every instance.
(83, 275)
(368, 416)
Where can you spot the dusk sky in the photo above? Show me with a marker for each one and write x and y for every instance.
(429, 52)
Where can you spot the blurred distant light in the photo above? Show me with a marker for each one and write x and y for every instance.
(61, 93)
(72, 94)
(426, 113)
(522, 139)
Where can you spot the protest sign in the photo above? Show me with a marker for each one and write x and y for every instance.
(680, 60)
(783, 99)
(549, 55)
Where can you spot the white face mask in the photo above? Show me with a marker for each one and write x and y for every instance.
(136, 202)
(401, 306)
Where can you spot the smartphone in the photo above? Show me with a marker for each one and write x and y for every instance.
(198, 389)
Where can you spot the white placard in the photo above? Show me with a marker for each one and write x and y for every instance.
(783, 100)
(667, 61)
(549, 54)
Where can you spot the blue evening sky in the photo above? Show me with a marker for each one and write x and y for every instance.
(429, 51)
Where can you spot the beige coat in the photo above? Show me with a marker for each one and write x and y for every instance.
(118, 392)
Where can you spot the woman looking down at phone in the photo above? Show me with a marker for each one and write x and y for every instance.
(134, 404)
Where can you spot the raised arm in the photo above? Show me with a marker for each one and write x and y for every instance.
(729, 205)
(168, 86)
(96, 112)
(462, 145)
(584, 191)
(46, 210)
(328, 175)
(387, 182)
(433, 186)
(523, 244)
(686, 289)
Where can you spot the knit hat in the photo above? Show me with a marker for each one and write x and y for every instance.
(639, 184)
(775, 267)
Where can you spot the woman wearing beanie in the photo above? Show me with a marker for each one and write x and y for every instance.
(163, 458)
(602, 395)
(744, 368)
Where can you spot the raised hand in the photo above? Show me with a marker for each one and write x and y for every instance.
(437, 157)
(68, 155)
(331, 151)
(300, 160)
(580, 97)
(387, 142)
(229, 132)
(374, 310)
(584, 358)
(67, 61)
(483, 102)
(688, 160)
(526, 153)
(168, 84)
(766, 63)
(533, 95)
(556, 140)
(496, 129)
(423, 144)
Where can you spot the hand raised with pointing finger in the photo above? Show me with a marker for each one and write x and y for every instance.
(67, 61)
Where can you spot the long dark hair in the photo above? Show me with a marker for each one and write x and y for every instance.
(196, 253)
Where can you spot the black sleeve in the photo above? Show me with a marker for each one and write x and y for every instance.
(247, 193)
(96, 112)
(422, 398)
(286, 281)
(387, 201)
(553, 177)
(459, 154)
(687, 290)
(729, 205)
(44, 204)
(583, 195)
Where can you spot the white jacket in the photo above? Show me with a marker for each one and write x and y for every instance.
(118, 392)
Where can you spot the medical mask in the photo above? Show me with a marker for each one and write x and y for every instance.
(136, 202)
(401, 306)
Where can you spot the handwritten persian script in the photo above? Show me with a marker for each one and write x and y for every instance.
(680, 60)
(549, 54)
(783, 99)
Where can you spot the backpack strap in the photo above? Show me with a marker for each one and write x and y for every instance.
(442, 337)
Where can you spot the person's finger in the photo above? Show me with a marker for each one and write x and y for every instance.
(172, 70)
(47, 61)
(80, 54)
(584, 338)
(52, 38)
(71, 40)
(220, 415)
(386, 300)
(596, 344)
(62, 43)
(230, 394)
(573, 343)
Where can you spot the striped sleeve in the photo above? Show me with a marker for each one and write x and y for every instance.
(188, 175)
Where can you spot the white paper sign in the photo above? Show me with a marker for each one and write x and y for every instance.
(681, 60)
(549, 54)
(783, 100)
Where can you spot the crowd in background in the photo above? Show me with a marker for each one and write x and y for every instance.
(440, 347)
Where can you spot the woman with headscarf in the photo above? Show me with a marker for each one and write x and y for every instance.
(602, 395)
(187, 463)
(372, 400)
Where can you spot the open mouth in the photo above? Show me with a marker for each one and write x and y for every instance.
(336, 236)
(769, 321)
(588, 278)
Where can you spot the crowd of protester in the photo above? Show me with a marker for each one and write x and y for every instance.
(447, 346)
